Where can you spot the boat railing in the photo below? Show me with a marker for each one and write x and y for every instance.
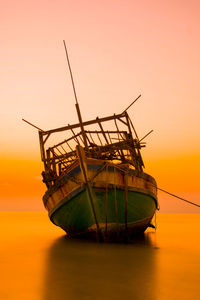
(120, 145)
(59, 160)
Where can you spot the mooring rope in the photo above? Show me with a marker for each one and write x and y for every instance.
(190, 202)
(164, 191)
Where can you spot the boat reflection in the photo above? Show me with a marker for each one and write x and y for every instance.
(78, 269)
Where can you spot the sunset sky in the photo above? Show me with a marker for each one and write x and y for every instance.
(118, 50)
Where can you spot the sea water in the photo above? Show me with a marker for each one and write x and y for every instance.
(37, 261)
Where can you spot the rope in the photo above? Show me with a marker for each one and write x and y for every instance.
(125, 171)
(190, 202)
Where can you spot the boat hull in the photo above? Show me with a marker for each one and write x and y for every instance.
(76, 217)
(123, 202)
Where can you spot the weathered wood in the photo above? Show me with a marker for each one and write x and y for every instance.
(118, 131)
(57, 150)
(63, 149)
(54, 163)
(145, 136)
(110, 151)
(69, 66)
(126, 200)
(80, 152)
(122, 120)
(81, 125)
(48, 159)
(99, 139)
(110, 138)
(77, 105)
(91, 137)
(41, 146)
(87, 138)
(106, 214)
(67, 140)
(86, 123)
(32, 125)
(100, 125)
(46, 138)
(128, 125)
(69, 146)
(118, 139)
(133, 128)
(119, 135)
(98, 172)
(75, 136)
(64, 156)
(132, 103)
(105, 131)
(122, 155)
(116, 208)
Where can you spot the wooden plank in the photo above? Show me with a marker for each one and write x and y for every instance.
(75, 136)
(116, 208)
(105, 131)
(91, 137)
(127, 120)
(133, 129)
(48, 135)
(80, 154)
(100, 125)
(41, 146)
(119, 133)
(67, 140)
(81, 126)
(99, 139)
(32, 125)
(106, 228)
(86, 123)
(145, 136)
(126, 200)
(122, 120)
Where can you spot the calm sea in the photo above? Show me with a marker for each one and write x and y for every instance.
(39, 262)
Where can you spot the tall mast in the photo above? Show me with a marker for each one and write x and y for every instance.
(76, 104)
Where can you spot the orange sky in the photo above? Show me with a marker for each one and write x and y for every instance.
(118, 49)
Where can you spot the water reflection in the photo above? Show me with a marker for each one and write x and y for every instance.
(85, 270)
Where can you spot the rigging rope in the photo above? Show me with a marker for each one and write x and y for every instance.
(190, 202)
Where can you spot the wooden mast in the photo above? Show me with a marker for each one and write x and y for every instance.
(77, 104)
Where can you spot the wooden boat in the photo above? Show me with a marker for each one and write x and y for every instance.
(95, 182)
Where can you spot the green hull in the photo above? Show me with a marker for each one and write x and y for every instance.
(111, 205)
(75, 216)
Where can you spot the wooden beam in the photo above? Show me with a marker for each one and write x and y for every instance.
(46, 138)
(145, 136)
(122, 121)
(127, 120)
(67, 140)
(81, 126)
(81, 156)
(86, 123)
(32, 125)
(41, 145)
(132, 103)
(100, 125)
(118, 132)
(75, 136)
(105, 131)
(133, 128)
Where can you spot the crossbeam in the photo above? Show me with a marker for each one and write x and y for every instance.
(77, 125)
